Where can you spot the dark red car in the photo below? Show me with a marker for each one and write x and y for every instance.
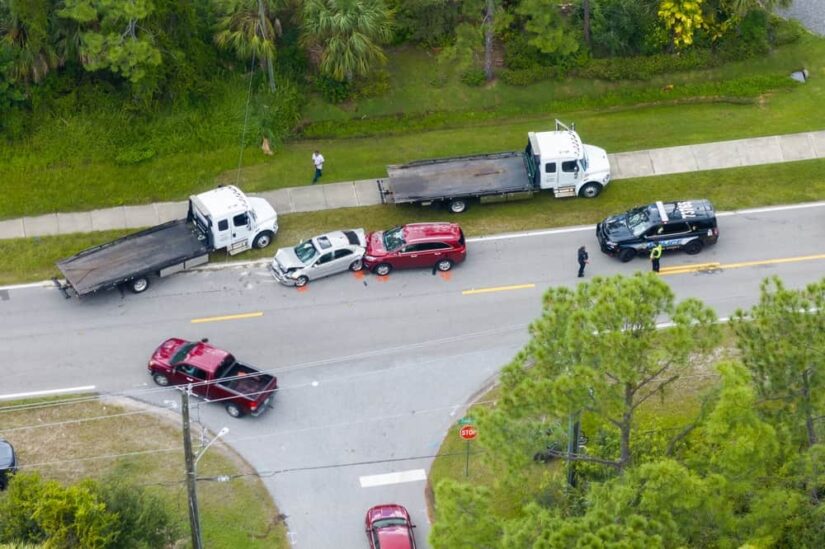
(389, 527)
(428, 245)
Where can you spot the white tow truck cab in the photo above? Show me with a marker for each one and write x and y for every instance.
(560, 161)
(233, 221)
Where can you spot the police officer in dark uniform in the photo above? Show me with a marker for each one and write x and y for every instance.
(584, 259)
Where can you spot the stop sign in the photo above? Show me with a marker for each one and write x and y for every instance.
(468, 432)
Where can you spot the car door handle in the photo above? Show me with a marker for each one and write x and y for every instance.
(413, 255)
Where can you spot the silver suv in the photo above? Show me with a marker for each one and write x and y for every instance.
(321, 256)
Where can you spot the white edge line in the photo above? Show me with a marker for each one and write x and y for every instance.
(15, 396)
(505, 236)
(412, 475)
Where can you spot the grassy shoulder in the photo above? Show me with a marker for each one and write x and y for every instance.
(139, 445)
(73, 165)
(29, 259)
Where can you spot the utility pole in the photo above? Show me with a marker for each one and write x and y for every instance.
(269, 68)
(572, 448)
(194, 515)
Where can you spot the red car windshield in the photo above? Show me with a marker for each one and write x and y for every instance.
(394, 239)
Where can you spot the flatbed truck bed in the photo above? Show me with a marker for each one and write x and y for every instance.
(163, 249)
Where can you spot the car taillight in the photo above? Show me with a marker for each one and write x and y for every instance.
(253, 406)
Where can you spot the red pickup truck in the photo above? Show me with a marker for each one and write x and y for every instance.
(214, 375)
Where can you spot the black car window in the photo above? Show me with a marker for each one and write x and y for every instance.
(425, 246)
(550, 167)
(412, 248)
(342, 253)
(223, 224)
(570, 166)
(326, 258)
(240, 220)
(192, 371)
(675, 228)
(324, 242)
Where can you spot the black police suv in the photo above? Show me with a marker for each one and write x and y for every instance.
(8, 462)
(688, 225)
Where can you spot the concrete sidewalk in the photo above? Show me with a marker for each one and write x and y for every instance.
(652, 162)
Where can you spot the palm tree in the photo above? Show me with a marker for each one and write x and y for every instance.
(25, 28)
(348, 34)
(250, 31)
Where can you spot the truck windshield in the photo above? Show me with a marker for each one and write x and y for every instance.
(638, 221)
(585, 160)
(394, 239)
(305, 251)
(182, 352)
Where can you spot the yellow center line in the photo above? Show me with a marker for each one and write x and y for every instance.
(226, 317)
(498, 289)
(682, 269)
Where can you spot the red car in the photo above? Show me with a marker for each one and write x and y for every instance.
(430, 245)
(389, 527)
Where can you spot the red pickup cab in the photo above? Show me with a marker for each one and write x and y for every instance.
(214, 375)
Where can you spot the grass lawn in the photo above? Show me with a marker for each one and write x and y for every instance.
(72, 165)
(233, 514)
(33, 258)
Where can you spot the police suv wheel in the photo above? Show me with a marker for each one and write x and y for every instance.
(693, 247)
(626, 254)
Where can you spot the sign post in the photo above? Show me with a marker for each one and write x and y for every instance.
(468, 432)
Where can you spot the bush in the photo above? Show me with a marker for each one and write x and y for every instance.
(376, 85)
(784, 31)
(749, 39)
(644, 68)
(520, 55)
(474, 77)
(525, 77)
(334, 91)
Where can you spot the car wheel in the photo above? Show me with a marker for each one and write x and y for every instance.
(382, 269)
(301, 281)
(458, 205)
(626, 254)
(591, 190)
(444, 265)
(356, 265)
(138, 285)
(262, 240)
(233, 410)
(693, 247)
(161, 380)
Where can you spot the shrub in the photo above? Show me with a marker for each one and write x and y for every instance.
(519, 54)
(376, 85)
(474, 77)
(134, 156)
(784, 31)
(749, 39)
(644, 68)
(334, 91)
(525, 77)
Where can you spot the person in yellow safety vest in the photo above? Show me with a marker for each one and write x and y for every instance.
(655, 254)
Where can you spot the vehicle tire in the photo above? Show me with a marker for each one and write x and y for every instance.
(138, 285)
(693, 247)
(356, 265)
(444, 265)
(263, 240)
(591, 190)
(458, 205)
(382, 269)
(626, 254)
(233, 410)
(301, 281)
(161, 380)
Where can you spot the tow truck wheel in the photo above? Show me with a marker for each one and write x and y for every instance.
(591, 190)
(139, 285)
(233, 410)
(301, 281)
(262, 240)
(356, 265)
(161, 379)
(382, 269)
(458, 205)
(693, 247)
(626, 254)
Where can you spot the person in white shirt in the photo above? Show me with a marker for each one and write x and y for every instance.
(318, 160)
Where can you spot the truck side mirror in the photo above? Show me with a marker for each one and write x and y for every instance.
(204, 340)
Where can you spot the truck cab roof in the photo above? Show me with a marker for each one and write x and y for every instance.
(557, 144)
(222, 202)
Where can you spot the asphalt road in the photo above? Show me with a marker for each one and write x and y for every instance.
(373, 372)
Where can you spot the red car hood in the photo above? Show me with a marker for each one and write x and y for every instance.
(375, 244)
